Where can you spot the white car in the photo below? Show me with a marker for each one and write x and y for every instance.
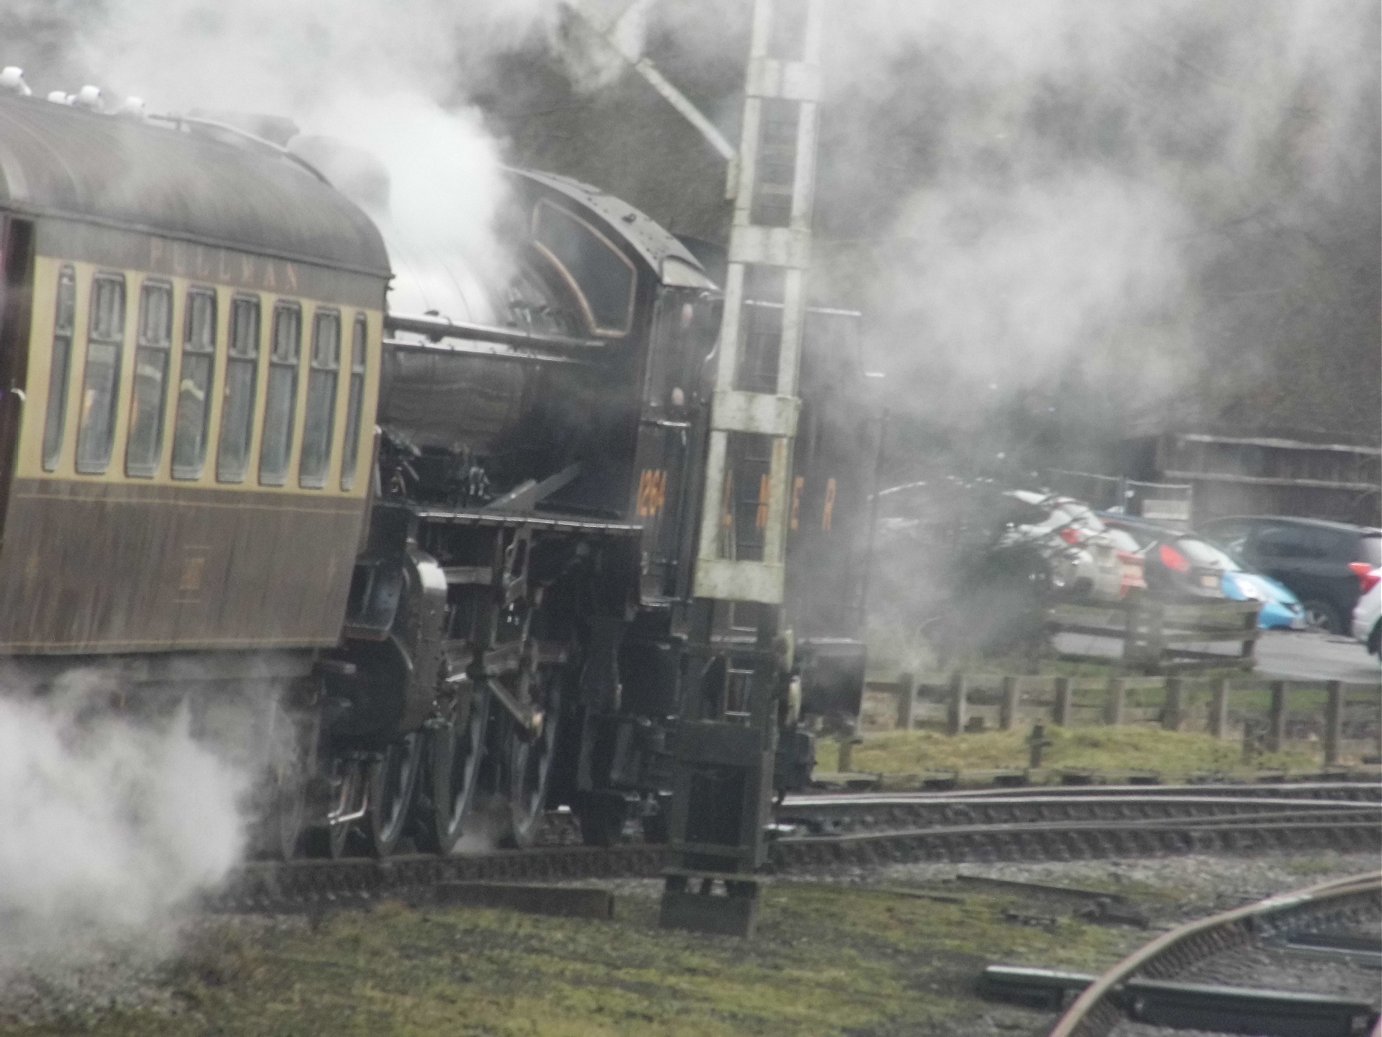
(1078, 545)
(1367, 614)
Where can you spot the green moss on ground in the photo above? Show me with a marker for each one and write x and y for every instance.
(1174, 754)
(826, 960)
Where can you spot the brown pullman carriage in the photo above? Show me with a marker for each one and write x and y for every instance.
(191, 329)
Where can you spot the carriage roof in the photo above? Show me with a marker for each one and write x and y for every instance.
(178, 180)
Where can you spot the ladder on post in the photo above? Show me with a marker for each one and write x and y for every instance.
(723, 755)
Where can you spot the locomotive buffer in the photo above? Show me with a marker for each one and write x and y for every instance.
(726, 740)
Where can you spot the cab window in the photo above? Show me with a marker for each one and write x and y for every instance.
(150, 378)
(599, 274)
(242, 363)
(59, 367)
(280, 398)
(193, 420)
(101, 380)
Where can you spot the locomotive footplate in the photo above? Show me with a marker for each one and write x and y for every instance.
(482, 518)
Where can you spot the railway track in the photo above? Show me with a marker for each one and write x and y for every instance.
(1144, 986)
(846, 812)
(926, 827)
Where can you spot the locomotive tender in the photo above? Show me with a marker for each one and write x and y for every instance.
(455, 553)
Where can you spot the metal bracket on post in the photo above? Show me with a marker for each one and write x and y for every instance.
(723, 763)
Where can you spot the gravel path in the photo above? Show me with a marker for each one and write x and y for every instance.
(80, 984)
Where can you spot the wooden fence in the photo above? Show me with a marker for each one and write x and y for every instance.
(1158, 635)
(1270, 712)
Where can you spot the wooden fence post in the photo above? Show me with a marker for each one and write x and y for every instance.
(1333, 721)
(1061, 713)
(1276, 717)
(906, 701)
(1113, 701)
(1152, 630)
(1012, 696)
(957, 713)
(1218, 707)
(1173, 706)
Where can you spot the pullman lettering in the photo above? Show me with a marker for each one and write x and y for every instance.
(209, 263)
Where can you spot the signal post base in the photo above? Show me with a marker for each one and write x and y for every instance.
(722, 903)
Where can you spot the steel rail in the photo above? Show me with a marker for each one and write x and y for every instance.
(1096, 1011)
(923, 810)
(308, 884)
(1077, 840)
(1365, 791)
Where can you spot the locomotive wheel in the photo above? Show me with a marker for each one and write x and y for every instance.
(392, 781)
(283, 828)
(283, 789)
(328, 840)
(451, 771)
(528, 762)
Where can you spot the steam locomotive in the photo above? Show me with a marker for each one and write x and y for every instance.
(440, 562)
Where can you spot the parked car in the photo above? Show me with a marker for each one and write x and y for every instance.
(1177, 563)
(1073, 537)
(1367, 614)
(1130, 558)
(1281, 610)
(1310, 556)
(973, 564)
(1182, 564)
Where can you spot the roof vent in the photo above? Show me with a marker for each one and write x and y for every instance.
(89, 97)
(12, 79)
(59, 97)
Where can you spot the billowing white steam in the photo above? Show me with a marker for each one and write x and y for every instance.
(1139, 196)
(107, 827)
(389, 78)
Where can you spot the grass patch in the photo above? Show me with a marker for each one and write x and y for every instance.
(826, 960)
(1173, 754)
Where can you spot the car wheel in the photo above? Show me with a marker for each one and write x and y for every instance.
(1375, 638)
(1321, 616)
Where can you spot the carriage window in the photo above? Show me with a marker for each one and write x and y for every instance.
(321, 399)
(101, 382)
(241, 373)
(280, 399)
(150, 377)
(58, 368)
(355, 404)
(600, 275)
(194, 385)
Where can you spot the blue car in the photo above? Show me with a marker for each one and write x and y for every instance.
(1181, 564)
(1281, 610)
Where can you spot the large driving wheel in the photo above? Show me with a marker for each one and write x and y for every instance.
(392, 781)
(528, 760)
(345, 778)
(450, 774)
(286, 791)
